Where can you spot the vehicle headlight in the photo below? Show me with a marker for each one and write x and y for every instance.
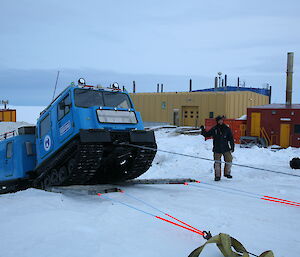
(113, 116)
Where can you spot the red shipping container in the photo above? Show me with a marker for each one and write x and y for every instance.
(238, 127)
(279, 124)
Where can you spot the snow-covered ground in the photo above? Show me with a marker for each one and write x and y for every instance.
(35, 223)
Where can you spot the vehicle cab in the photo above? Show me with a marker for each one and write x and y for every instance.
(85, 111)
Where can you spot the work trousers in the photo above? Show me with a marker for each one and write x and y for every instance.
(217, 165)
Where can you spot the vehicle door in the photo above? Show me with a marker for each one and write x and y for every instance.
(45, 136)
(64, 118)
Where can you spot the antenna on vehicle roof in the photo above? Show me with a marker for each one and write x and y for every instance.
(55, 85)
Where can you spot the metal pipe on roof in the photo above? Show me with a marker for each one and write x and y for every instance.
(190, 85)
(162, 88)
(289, 78)
(238, 82)
(157, 89)
(133, 85)
(225, 80)
(216, 82)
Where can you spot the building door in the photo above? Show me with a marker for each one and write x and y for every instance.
(284, 135)
(190, 116)
(255, 124)
(176, 117)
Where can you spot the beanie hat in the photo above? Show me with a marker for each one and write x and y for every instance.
(219, 118)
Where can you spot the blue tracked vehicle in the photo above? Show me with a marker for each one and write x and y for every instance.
(17, 159)
(80, 138)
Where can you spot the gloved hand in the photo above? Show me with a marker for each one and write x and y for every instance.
(232, 150)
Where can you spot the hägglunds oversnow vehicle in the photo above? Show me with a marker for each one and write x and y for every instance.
(81, 138)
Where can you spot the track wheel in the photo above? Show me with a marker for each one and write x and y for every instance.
(54, 177)
(71, 166)
(62, 174)
(46, 182)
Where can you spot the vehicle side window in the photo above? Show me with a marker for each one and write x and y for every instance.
(45, 126)
(64, 107)
(29, 149)
(9, 150)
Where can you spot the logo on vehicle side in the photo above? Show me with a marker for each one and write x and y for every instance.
(64, 128)
(47, 143)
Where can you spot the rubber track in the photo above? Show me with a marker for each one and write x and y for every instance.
(143, 161)
(88, 159)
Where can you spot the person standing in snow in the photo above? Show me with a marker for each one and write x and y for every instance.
(223, 145)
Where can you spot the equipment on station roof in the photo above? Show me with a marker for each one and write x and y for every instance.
(6, 114)
(5, 103)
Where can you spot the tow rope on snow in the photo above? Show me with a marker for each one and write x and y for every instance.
(245, 193)
(223, 241)
(206, 235)
(206, 159)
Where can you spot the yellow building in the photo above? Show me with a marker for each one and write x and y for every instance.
(8, 115)
(192, 108)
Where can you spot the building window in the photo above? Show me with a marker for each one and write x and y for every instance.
(274, 112)
(45, 126)
(63, 107)
(9, 150)
(297, 129)
(211, 115)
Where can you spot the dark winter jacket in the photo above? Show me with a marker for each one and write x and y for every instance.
(222, 135)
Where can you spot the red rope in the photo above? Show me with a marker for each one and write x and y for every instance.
(171, 222)
(276, 201)
(258, 196)
(280, 199)
(184, 223)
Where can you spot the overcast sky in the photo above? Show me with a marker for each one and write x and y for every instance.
(147, 41)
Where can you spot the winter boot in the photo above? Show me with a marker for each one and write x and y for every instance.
(217, 178)
(228, 176)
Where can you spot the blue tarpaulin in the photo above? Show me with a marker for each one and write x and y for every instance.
(263, 91)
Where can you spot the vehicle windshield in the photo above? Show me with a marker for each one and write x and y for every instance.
(89, 98)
